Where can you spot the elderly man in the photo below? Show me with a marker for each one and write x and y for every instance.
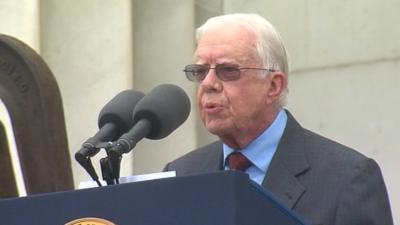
(241, 68)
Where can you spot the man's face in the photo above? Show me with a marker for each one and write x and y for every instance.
(229, 108)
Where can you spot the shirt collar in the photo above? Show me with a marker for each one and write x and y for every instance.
(261, 150)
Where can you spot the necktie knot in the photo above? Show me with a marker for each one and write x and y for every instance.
(237, 161)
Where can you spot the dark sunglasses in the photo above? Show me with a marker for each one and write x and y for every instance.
(224, 72)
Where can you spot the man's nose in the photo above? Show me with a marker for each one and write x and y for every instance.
(211, 82)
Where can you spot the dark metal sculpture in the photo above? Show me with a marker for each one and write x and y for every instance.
(30, 93)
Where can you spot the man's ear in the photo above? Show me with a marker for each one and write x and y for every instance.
(277, 85)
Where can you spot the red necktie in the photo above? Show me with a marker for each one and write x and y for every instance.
(237, 161)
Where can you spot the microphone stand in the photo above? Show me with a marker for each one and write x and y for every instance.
(108, 174)
(125, 144)
(110, 165)
(106, 171)
(115, 158)
(86, 163)
(107, 165)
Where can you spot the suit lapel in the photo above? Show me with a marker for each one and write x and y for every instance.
(213, 159)
(283, 184)
(288, 163)
(216, 157)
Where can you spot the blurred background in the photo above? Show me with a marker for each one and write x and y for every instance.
(344, 59)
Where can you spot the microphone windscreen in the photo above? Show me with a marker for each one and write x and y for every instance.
(166, 107)
(118, 111)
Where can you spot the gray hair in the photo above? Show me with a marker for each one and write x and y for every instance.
(269, 44)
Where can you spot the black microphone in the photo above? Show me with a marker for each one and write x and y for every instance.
(155, 116)
(114, 119)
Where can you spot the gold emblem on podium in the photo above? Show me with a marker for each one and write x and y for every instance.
(90, 221)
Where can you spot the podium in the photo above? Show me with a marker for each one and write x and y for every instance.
(221, 198)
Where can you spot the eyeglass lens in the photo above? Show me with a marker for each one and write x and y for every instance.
(196, 72)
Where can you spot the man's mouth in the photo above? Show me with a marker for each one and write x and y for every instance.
(212, 108)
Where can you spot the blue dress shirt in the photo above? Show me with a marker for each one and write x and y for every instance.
(261, 150)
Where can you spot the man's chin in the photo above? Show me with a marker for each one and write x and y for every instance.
(217, 130)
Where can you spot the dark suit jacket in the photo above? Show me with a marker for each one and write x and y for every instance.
(325, 182)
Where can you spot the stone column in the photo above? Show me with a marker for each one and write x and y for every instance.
(88, 46)
(163, 45)
(20, 19)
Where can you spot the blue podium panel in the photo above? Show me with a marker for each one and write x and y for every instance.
(222, 198)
